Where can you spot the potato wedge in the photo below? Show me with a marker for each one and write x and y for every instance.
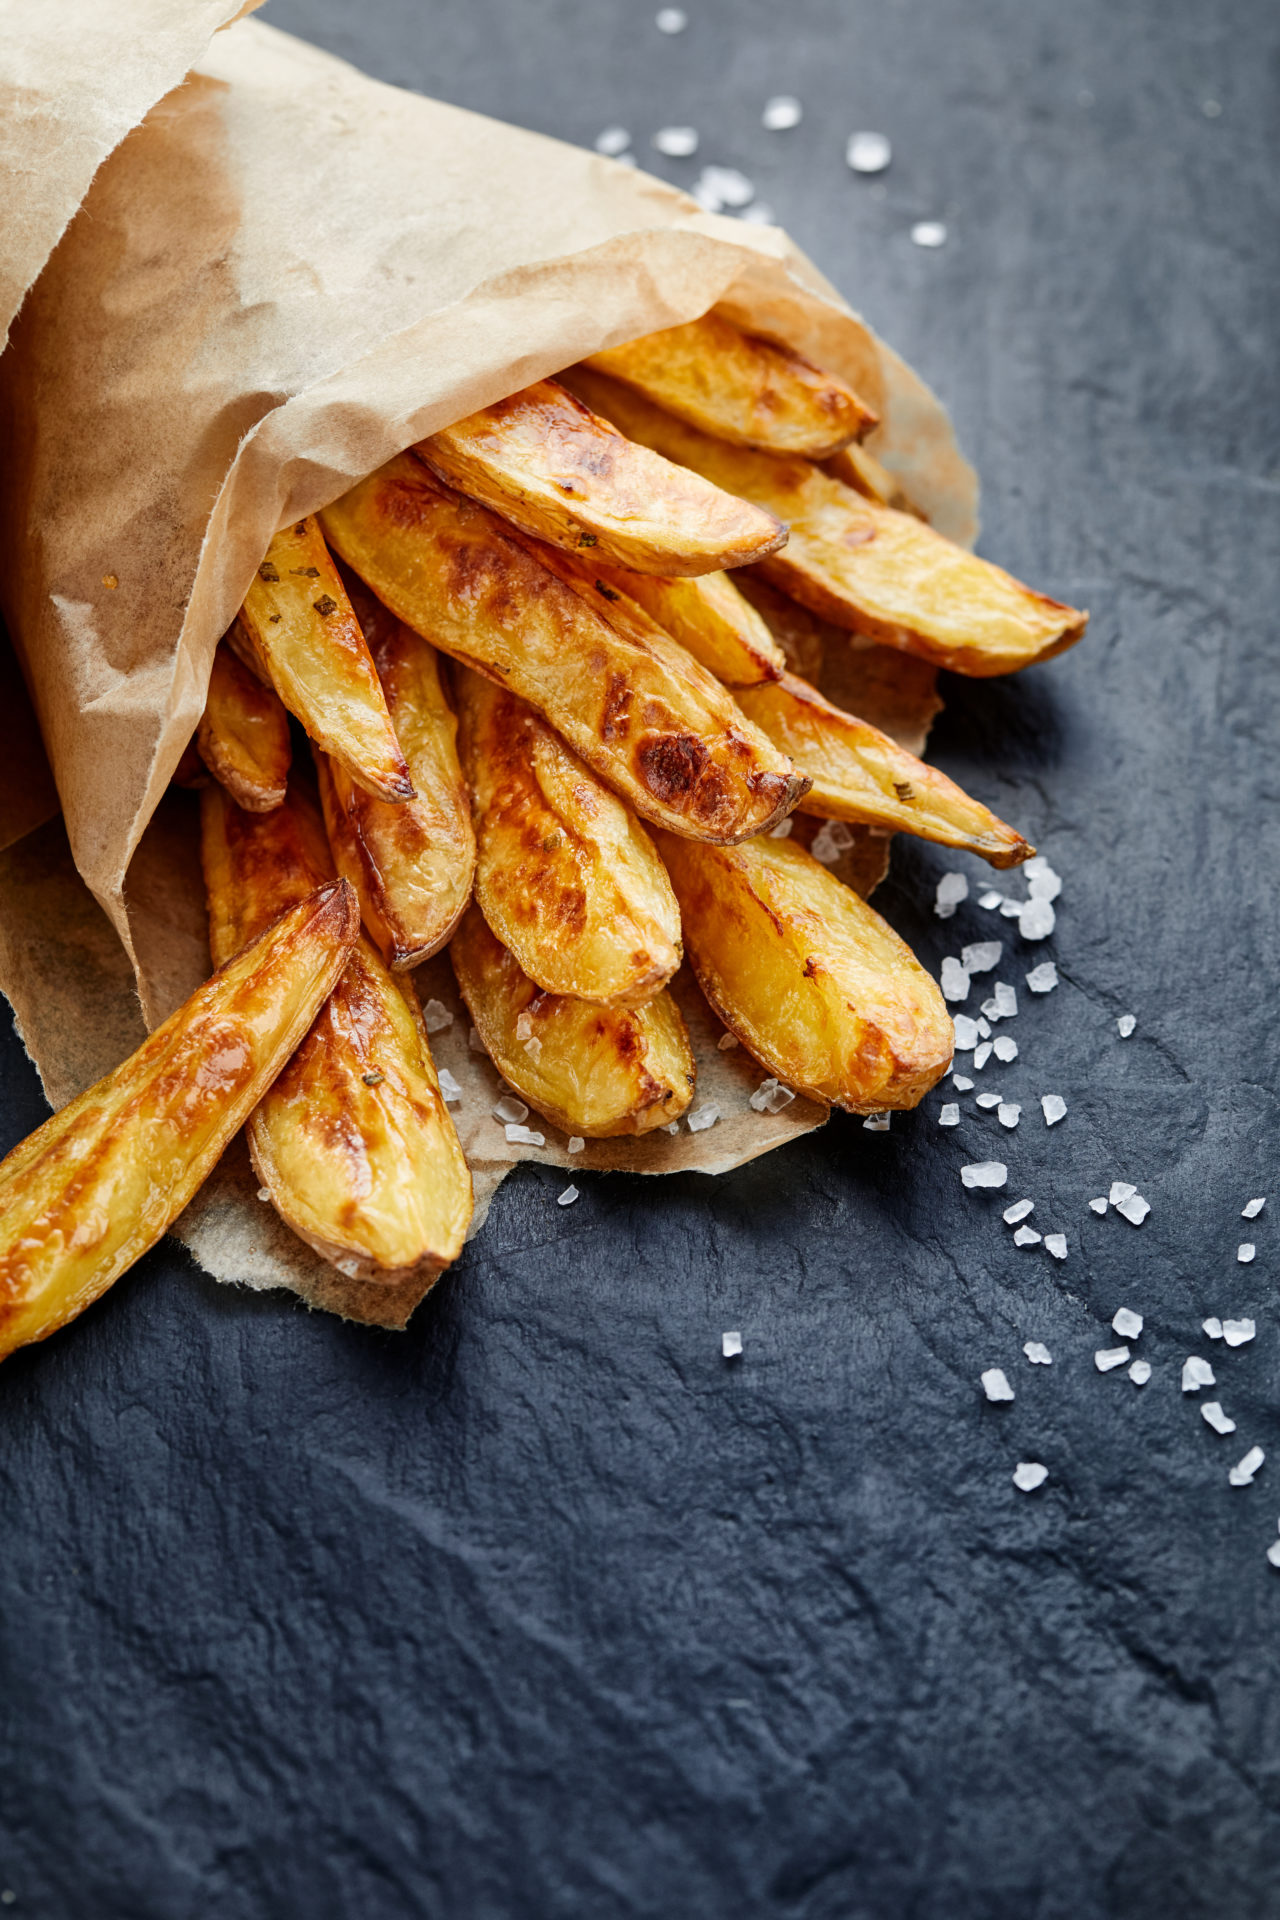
(300, 625)
(808, 976)
(860, 774)
(644, 716)
(858, 468)
(741, 387)
(595, 1071)
(353, 1142)
(708, 616)
(870, 568)
(412, 864)
(95, 1186)
(548, 464)
(566, 876)
(243, 735)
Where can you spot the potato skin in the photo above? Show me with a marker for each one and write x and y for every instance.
(353, 1142)
(243, 736)
(860, 774)
(743, 388)
(566, 876)
(592, 1070)
(708, 616)
(88, 1192)
(808, 976)
(865, 567)
(633, 705)
(300, 626)
(412, 863)
(548, 464)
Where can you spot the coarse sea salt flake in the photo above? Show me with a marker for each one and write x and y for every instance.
(1196, 1373)
(263, 1194)
(1140, 1372)
(951, 890)
(983, 1029)
(613, 141)
(869, 153)
(761, 214)
(1135, 1209)
(1214, 1417)
(987, 1100)
(777, 1098)
(576, 1143)
(1252, 1209)
(955, 980)
(1003, 1003)
(1037, 1353)
(950, 1115)
(1106, 1359)
(927, 233)
(1237, 1333)
(436, 1016)
(984, 1173)
(981, 956)
(1028, 1475)
(676, 142)
(1213, 1327)
(1273, 1553)
(509, 1109)
(727, 1042)
(781, 113)
(1099, 1205)
(449, 1087)
(962, 1083)
(1242, 1473)
(1042, 882)
(671, 20)
(1044, 978)
(533, 1046)
(731, 1345)
(1010, 909)
(995, 1385)
(525, 1136)
(1005, 1047)
(1125, 1025)
(877, 1123)
(1245, 1252)
(1008, 1113)
(1056, 1244)
(967, 1035)
(1120, 1190)
(831, 840)
(1027, 1237)
(702, 1117)
(1036, 920)
(567, 1198)
(1054, 1108)
(1127, 1323)
(981, 1055)
(524, 1026)
(725, 187)
(990, 899)
(1018, 1211)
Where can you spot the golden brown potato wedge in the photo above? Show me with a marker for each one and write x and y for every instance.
(858, 468)
(95, 1186)
(566, 876)
(708, 616)
(809, 976)
(595, 1071)
(548, 464)
(353, 1142)
(633, 704)
(743, 388)
(880, 572)
(300, 625)
(412, 864)
(243, 736)
(860, 774)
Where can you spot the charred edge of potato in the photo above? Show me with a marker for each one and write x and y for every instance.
(243, 736)
(632, 1066)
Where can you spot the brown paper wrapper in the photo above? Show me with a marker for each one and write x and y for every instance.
(284, 275)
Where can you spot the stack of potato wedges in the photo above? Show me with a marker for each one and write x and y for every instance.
(550, 731)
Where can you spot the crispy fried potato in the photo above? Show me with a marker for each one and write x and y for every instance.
(808, 976)
(860, 774)
(551, 466)
(300, 625)
(708, 616)
(412, 864)
(633, 704)
(593, 1070)
(744, 389)
(95, 1186)
(566, 876)
(243, 736)
(858, 468)
(880, 572)
(353, 1142)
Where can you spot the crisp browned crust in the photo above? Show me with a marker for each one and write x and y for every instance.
(243, 735)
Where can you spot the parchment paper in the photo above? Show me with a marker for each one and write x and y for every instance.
(284, 275)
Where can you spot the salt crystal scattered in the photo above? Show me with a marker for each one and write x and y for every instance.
(1107, 1359)
(533, 1047)
(831, 840)
(1120, 1190)
(967, 1035)
(1026, 1237)
(1196, 1373)
(961, 1082)
(525, 1137)
(475, 1043)
(877, 1123)
(263, 1194)
(731, 1345)
(985, 1173)
(1037, 1353)
(1044, 978)
(627, 160)
(1008, 1113)
(1125, 1025)
(981, 956)
(783, 829)
(1127, 1323)
(761, 214)
(955, 981)
(981, 1055)
(1135, 1209)
(951, 890)
(509, 1109)
(449, 1087)
(1099, 1205)
(1054, 1108)
(524, 1026)
(576, 1143)
(782, 113)
(1237, 1332)
(436, 1016)
(676, 142)
(987, 1100)
(725, 186)
(983, 1029)
(1028, 1475)
(1213, 1327)
(671, 20)
(1242, 1473)
(950, 1116)
(770, 1097)
(1273, 1553)
(1006, 1047)
(1216, 1418)
(995, 1385)
(1042, 882)
(1010, 909)
(1036, 920)
(990, 899)
(1253, 1209)
(613, 141)
(929, 233)
(727, 1042)
(1003, 1003)
(567, 1198)
(1245, 1252)
(1018, 1211)
(1056, 1244)
(672, 1126)
(870, 153)
(1140, 1372)
(702, 1117)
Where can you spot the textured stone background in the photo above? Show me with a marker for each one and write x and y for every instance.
(543, 1609)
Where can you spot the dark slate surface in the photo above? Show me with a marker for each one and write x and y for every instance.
(544, 1609)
